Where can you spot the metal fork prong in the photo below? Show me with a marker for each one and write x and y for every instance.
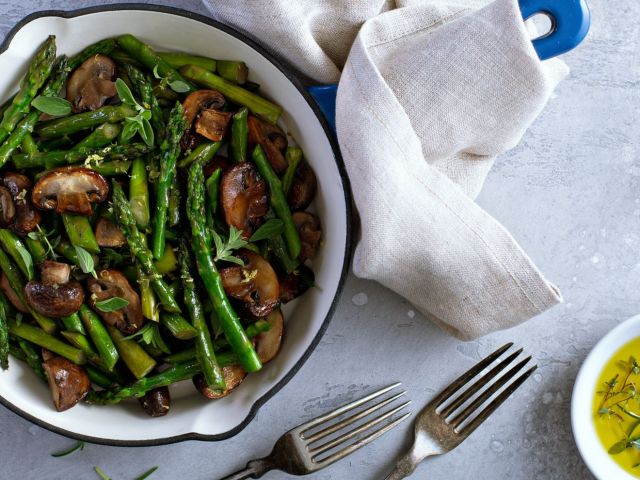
(356, 431)
(501, 382)
(468, 375)
(345, 408)
(492, 407)
(349, 420)
(361, 443)
(481, 382)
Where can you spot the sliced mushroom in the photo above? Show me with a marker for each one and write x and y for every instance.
(156, 402)
(54, 272)
(218, 162)
(303, 187)
(69, 383)
(255, 283)
(192, 106)
(54, 300)
(111, 283)
(233, 376)
(92, 83)
(7, 208)
(11, 294)
(272, 140)
(244, 200)
(308, 226)
(212, 124)
(70, 189)
(108, 234)
(268, 343)
(26, 217)
(296, 283)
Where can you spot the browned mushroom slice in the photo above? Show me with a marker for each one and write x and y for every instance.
(255, 283)
(111, 283)
(108, 234)
(92, 83)
(54, 272)
(272, 140)
(244, 200)
(296, 283)
(268, 343)
(54, 300)
(303, 187)
(26, 217)
(70, 189)
(308, 226)
(217, 162)
(69, 383)
(7, 208)
(233, 376)
(11, 295)
(201, 100)
(212, 124)
(156, 402)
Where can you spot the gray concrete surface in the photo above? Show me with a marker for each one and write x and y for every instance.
(569, 193)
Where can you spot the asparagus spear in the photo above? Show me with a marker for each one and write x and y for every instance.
(150, 59)
(293, 157)
(210, 276)
(204, 348)
(73, 324)
(17, 285)
(36, 249)
(252, 330)
(173, 208)
(139, 193)
(133, 355)
(4, 332)
(178, 326)
(232, 70)
(32, 357)
(28, 144)
(57, 158)
(18, 252)
(278, 201)
(80, 232)
(170, 150)
(127, 222)
(239, 136)
(97, 377)
(179, 59)
(145, 91)
(212, 185)
(147, 296)
(43, 339)
(103, 47)
(100, 337)
(100, 137)
(111, 169)
(203, 153)
(39, 70)
(176, 373)
(82, 121)
(259, 106)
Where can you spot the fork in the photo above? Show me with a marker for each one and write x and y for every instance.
(447, 421)
(314, 445)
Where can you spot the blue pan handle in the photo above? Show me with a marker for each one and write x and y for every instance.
(570, 21)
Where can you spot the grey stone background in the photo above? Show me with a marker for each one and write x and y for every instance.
(570, 193)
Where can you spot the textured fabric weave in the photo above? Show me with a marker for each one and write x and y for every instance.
(430, 92)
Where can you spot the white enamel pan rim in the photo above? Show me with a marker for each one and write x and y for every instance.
(293, 79)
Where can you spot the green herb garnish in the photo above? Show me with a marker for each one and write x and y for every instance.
(64, 453)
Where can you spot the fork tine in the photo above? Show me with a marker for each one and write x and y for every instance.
(361, 443)
(356, 431)
(349, 420)
(468, 375)
(478, 385)
(501, 382)
(345, 408)
(482, 416)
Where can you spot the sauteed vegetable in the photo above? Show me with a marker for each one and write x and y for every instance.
(152, 222)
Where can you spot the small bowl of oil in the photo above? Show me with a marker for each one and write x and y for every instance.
(605, 406)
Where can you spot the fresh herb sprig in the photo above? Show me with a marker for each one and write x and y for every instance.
(53, 106)
(150, 335)
(41, 235)
(177, 86)
(139, 123)
(85, 261)
(225, 247)
(68, 451)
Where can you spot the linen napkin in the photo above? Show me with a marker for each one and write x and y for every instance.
(430, 92)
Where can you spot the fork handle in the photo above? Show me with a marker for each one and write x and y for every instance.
(406, 464)
(254, 469)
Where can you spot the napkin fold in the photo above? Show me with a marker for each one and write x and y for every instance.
(430, 92)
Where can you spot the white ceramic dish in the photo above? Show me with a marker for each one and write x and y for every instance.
(191, 416)
(593, 453)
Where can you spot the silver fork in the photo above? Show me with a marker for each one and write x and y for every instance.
(447, 421)
(308, 447)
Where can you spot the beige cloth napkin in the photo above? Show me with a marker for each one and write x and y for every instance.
(430, 92)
